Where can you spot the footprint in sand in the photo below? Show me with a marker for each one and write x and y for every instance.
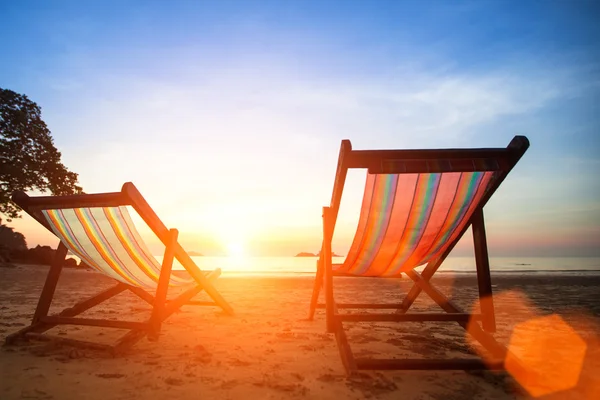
(324, 337)
(311, 347)
(282, 387)
(371, 385)
(110, 376)
(9, 324)
(229, 384)
(298, 376)
(285, 335)
(395, 342)
(366, 353)
(202, 355)
(36, 394)
(362, 338)
(330, 378)
(174, 381)
(236, 362)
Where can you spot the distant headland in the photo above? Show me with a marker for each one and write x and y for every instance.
(306, 254)
(195, 254)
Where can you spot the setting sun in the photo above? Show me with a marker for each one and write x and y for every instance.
(236, 249)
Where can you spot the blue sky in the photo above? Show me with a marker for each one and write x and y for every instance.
(228, 115)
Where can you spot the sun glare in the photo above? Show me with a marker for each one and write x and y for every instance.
(236, 249)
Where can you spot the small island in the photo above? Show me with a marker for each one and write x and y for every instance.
(195, 254)
(305, 254)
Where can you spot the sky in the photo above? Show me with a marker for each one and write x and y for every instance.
(228, 115)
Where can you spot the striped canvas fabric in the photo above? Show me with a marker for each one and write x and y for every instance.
(407, 220)
(106, 239)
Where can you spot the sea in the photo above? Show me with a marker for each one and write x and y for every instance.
(306, 266)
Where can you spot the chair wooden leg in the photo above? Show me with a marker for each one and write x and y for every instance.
(487, 340)
(208, 287)
(122, 345)
(46, 297)
(498, 354)
(69, 342)
(437, 296)
(344, 348)
(41, 327)
(185, 297)
(414, 292)
(484, 280)
(51, 281)
(142, 294)
(93, 301)
(316, 290)
(42, 322)
(330, 308)
(160, 297)
(128, 340)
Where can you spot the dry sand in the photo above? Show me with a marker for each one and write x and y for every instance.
(268, 350)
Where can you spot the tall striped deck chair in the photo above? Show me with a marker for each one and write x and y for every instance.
(99, 230)
(417, 205)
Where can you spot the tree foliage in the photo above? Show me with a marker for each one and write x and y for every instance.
(28, 158)
(10, 242)
(10, 239)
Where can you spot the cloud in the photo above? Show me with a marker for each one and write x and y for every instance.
(266, 124)
(254, 102)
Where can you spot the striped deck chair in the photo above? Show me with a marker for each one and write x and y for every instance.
(98, 229)
(417, 205)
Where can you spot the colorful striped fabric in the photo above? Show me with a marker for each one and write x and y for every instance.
(106, 239)
(407, 220)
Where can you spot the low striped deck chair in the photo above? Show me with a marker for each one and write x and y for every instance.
(417, 205)
(98, 229)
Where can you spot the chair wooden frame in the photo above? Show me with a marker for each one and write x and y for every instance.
(418, 161)
(162, 308)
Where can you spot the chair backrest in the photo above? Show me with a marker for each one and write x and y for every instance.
(106, 239)
(98, 229)
(408, 219)
(417, 203)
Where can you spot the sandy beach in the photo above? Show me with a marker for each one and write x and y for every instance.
(268, 350)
